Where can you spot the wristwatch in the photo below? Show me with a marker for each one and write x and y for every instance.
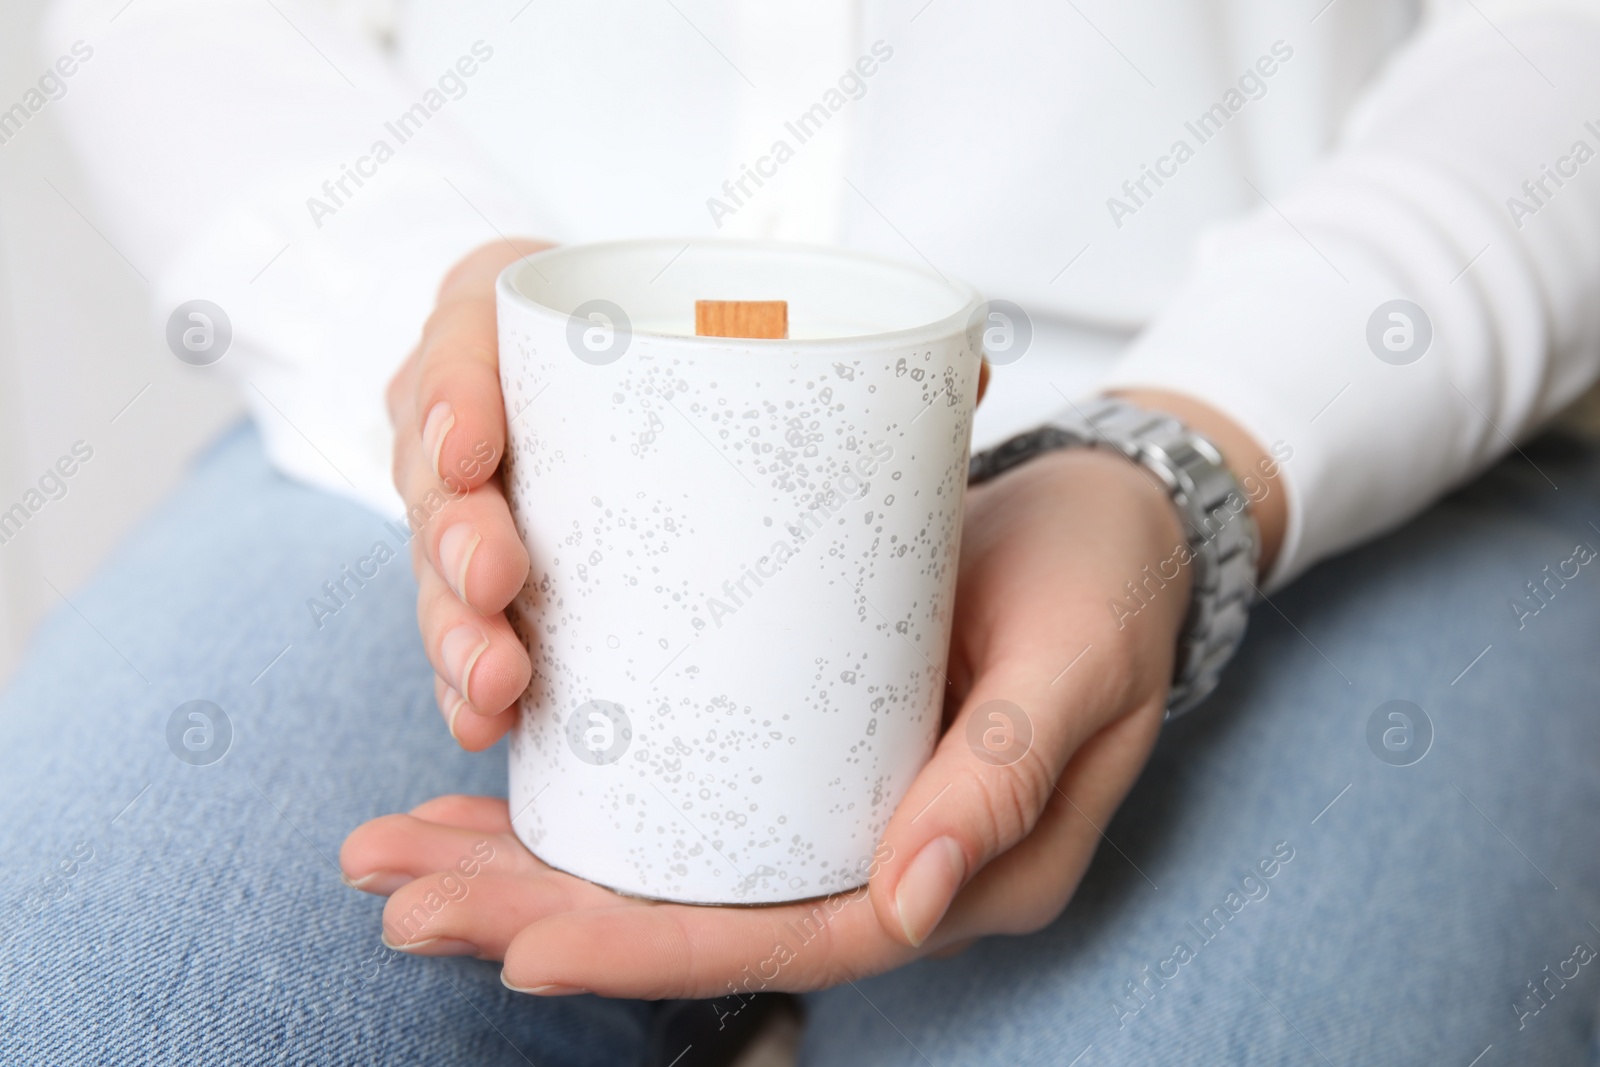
(1223, 543)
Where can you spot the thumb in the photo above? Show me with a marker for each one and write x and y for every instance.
(988, 782)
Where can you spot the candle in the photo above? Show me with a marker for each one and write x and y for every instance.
(744, 558)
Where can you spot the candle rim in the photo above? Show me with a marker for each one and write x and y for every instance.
(964, 297)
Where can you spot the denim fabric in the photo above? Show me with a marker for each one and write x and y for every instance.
(162, 912)
(1417, 908)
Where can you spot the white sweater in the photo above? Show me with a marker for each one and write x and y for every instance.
(1248, 180)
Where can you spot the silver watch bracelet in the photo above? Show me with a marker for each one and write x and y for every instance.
(1222, 542)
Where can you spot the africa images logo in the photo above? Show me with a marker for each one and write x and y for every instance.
(599, 732)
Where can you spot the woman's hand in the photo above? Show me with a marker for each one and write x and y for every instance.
(992, 837)
(450, 434)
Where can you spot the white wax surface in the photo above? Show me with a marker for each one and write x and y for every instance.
(802, 330)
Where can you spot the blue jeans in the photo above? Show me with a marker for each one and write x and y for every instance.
(1288, 883)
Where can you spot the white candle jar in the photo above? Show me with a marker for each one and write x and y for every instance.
(744, 558)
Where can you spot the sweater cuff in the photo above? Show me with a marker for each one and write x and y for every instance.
(1273, 335)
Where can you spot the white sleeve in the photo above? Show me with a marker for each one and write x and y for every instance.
(220, 137)
(1468, 182)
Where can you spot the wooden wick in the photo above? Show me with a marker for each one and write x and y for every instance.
(741, 318)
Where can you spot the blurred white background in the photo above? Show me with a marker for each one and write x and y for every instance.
(76, 345)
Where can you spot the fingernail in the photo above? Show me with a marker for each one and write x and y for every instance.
(382, 883)
(434, 946)
(543, 990)
(456, 547)
(928, 886)
(457, 703)
(441, 417)
(460, 650)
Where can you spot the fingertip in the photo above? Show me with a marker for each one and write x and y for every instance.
(476, 732)
(458, 397)
(500, 676)
(487, 570)
(441, 419)
(554, 990)
(452, 713)
(460, 651)
(361, 863)
(926, 888)
(468, 460)
(458, 547)
(473, 730)
(466, 812)
(380, 883)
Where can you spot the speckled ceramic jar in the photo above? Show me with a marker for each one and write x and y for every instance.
(744, 559)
